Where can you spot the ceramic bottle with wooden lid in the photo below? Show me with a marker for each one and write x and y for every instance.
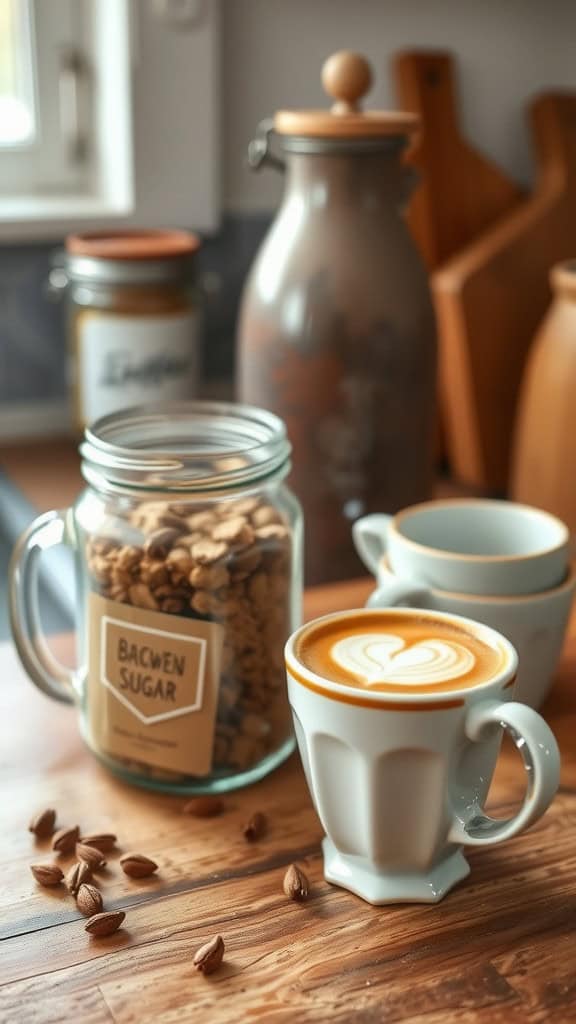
(336, 328)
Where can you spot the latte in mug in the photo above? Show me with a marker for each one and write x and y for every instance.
(422, 654)
(399, 714)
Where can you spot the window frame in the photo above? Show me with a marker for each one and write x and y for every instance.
(155, 158)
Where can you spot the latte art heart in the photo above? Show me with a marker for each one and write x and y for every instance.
(384, 658)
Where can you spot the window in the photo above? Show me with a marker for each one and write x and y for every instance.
(42, 116)
(17, 101)
(108, 112)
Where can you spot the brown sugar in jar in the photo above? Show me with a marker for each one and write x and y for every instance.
(189, 549)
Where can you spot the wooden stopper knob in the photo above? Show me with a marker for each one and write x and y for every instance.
(346, 76)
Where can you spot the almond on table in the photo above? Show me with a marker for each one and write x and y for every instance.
(136, 865)
(102, 841)
(204, 806)
(77, 876)
(91, 856)
(208, 958)
(255, 827)
(107, 923)
(42, 824)
(89, 900)
(296, 885)
(65, 839)
(47, 874)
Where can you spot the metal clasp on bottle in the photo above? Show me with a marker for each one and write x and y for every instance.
(259, 149)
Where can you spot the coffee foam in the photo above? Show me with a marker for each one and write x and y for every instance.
(385, 658)
(399, 653)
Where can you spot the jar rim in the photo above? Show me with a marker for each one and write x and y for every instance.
(171, 270)
(185, 446)
(327, 146)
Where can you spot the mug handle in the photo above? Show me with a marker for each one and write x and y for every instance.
(48, 674)
(541, 757)
(399, 591)
(369, 534)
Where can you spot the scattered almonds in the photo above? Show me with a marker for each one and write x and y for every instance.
(204, 806)
(295, 885)
(42, 824)
(102, 841)
(208, 958)
(89, 900)
(136, 865)
(65, 839)
(77, 876)
(255, 827)
(91, 856)
(105, 924)
(47, 874)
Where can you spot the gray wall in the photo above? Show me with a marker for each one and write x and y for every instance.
(272, 54)
(507, 50)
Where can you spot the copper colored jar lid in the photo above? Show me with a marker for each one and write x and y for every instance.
(346, 77)
(131, 257)
(133, 245)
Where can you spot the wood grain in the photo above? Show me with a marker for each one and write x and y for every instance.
(45, 471)
(500, 948)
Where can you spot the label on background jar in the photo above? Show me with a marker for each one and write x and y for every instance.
(132, 360)
(153, 686)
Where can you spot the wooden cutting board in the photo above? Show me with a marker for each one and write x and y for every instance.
(490, 298)
(460, 192)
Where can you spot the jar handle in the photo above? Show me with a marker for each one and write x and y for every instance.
(46, 672)
(259, 151)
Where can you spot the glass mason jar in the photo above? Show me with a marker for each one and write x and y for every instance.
(188, 552)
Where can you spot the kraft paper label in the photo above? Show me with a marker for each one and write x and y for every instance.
(153, 686)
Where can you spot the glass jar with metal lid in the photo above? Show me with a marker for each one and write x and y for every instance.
(132, 320)
(188, 549)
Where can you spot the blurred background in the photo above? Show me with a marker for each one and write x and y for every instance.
(170, 93)
(118, 115)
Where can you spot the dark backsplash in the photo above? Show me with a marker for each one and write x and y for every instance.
(32, 337)
(32, 343)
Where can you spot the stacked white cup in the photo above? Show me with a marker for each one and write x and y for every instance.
(500, 563)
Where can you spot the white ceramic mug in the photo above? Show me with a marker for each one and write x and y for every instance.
(472, 546)
(399, 780)
(534, 623)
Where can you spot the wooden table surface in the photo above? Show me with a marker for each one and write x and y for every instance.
(500, 948)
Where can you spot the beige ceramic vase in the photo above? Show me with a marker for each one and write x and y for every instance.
(545, 441)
